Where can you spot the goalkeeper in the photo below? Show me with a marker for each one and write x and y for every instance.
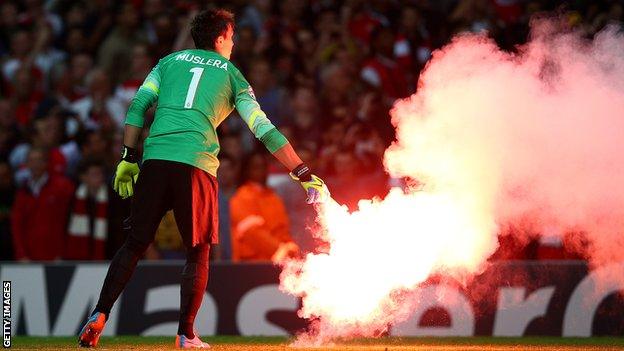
(195, 90)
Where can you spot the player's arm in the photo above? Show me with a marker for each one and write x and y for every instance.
(276, 142)
(128, 168)
(314, 186)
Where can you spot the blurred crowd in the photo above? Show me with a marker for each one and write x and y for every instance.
(326, 72)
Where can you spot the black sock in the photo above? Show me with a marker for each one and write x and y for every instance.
(194, 281)
(119, 272)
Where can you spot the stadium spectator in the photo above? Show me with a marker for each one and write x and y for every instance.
(9, 133)
(100, 109)
(349, 183)
(87, 231)
(160, 26)
(75, 15)
(382, 71)
(271, 98)
(258, 217)
(335, 63)
(165, 29)
(412, 47)
(98, 22)
(139, 69)
(116, 50)
(473, 15)
(364, 19)
(232, 145)
(75, 41)
(256, 14)
(46, 57)
(246, 48)
(20, 54)
(304, 118)
(306, 54)
(71, 85)
(369, 148)
(331, 141)
(285, 24)
(39, 214)
(373, 112)
(339, 93)
(34, 12)
(46, 135)
(25, 93)
(96, 146)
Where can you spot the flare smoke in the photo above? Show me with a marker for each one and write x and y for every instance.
(533, 140)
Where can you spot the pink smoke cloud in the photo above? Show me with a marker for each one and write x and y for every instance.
(539, 132)
(532, 139)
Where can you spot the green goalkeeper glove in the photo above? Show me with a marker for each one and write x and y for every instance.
(314, 186)
(127, 173)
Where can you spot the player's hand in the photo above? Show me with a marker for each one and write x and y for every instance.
(126, 174)
(316, 190)
(125, 177)
(314, 186)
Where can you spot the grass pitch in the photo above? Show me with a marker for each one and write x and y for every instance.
(383, 344)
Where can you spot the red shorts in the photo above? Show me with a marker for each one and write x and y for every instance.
(189, 191)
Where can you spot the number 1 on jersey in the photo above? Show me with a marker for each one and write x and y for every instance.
(190, 95)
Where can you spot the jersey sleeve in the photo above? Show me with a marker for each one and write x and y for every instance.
(145, 97)
(250, 111)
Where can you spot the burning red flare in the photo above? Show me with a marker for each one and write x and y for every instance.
(496, 138)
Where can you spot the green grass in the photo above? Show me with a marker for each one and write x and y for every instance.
(30, 341)
(382, 344)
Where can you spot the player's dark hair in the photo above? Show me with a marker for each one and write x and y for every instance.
(208, 25)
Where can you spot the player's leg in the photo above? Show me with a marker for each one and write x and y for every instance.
(192, 289)
(149, 204)
(195, 209)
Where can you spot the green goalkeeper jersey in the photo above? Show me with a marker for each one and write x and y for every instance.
(195, 90)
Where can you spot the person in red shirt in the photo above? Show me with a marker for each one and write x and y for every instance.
(87, 232)
(382, 71)
(46, 135)
(39, 214)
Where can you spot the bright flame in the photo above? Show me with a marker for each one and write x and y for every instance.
(351, 291)
(531, 139)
